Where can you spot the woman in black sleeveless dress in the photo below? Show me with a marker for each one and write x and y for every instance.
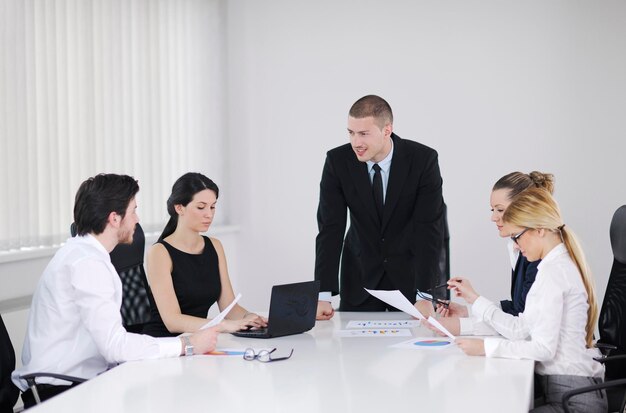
(186, 271)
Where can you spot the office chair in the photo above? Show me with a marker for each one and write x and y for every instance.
(128, 262)
(32, 384)
(444, 259)
(8, 392)
(615, 385)
(612, 322)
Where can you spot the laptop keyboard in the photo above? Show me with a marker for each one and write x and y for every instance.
(261, 332)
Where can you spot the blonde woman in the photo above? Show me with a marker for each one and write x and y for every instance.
(556, 327)
(458, 320)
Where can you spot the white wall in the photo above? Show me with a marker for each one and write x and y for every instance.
(494, 86)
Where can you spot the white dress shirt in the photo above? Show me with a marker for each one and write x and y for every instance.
(551, 330)
(385, 167)
(75, 327)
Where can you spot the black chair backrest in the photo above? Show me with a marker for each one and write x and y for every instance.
(8, 391)
(128, 262)
(612, 321)
(617, 232)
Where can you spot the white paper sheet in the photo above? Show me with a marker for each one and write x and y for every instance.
(396, 299)
(218, 319)
(383, 323)
(375, 332)
(439, 327)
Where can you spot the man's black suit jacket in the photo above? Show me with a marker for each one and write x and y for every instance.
(406, 245)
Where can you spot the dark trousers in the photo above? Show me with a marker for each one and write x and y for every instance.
(46, 391)
(372, 303)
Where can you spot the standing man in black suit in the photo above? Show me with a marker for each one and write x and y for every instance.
(392, 188)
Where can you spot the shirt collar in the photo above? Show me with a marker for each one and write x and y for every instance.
(385, 163)
(513, 252)
(90, 240)
(553, 254)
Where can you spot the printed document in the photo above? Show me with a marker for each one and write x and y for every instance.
(396, 299)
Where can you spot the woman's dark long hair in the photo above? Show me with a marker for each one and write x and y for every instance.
(183, 191)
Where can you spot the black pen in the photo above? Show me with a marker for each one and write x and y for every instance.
(436, 287)
(441, 286)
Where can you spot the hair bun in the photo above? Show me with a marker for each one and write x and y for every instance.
(543, 180)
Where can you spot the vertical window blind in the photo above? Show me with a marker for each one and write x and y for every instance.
(105, 86)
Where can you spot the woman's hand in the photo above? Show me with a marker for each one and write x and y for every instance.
(230, 326)
(255, 320)
(463, 288)
(471, 346)
(452, 324)
(453, 310)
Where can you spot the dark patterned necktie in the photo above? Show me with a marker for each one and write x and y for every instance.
(377, 190)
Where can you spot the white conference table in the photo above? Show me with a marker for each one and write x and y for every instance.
(326, 374)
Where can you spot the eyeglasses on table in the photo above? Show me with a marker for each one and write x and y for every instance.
(264, 356)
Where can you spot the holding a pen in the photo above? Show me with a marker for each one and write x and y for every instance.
(456, 317)
(452, 309)
(556, 328)
(463, 289)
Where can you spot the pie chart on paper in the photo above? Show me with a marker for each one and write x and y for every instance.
(431, 343)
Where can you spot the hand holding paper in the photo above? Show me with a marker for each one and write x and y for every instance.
(439, 327)
(396, 299)
(218, 319)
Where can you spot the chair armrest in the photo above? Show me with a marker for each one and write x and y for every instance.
(605, 348)
(606, 385)
(610, 359)
(32, 376)
(32, 384)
